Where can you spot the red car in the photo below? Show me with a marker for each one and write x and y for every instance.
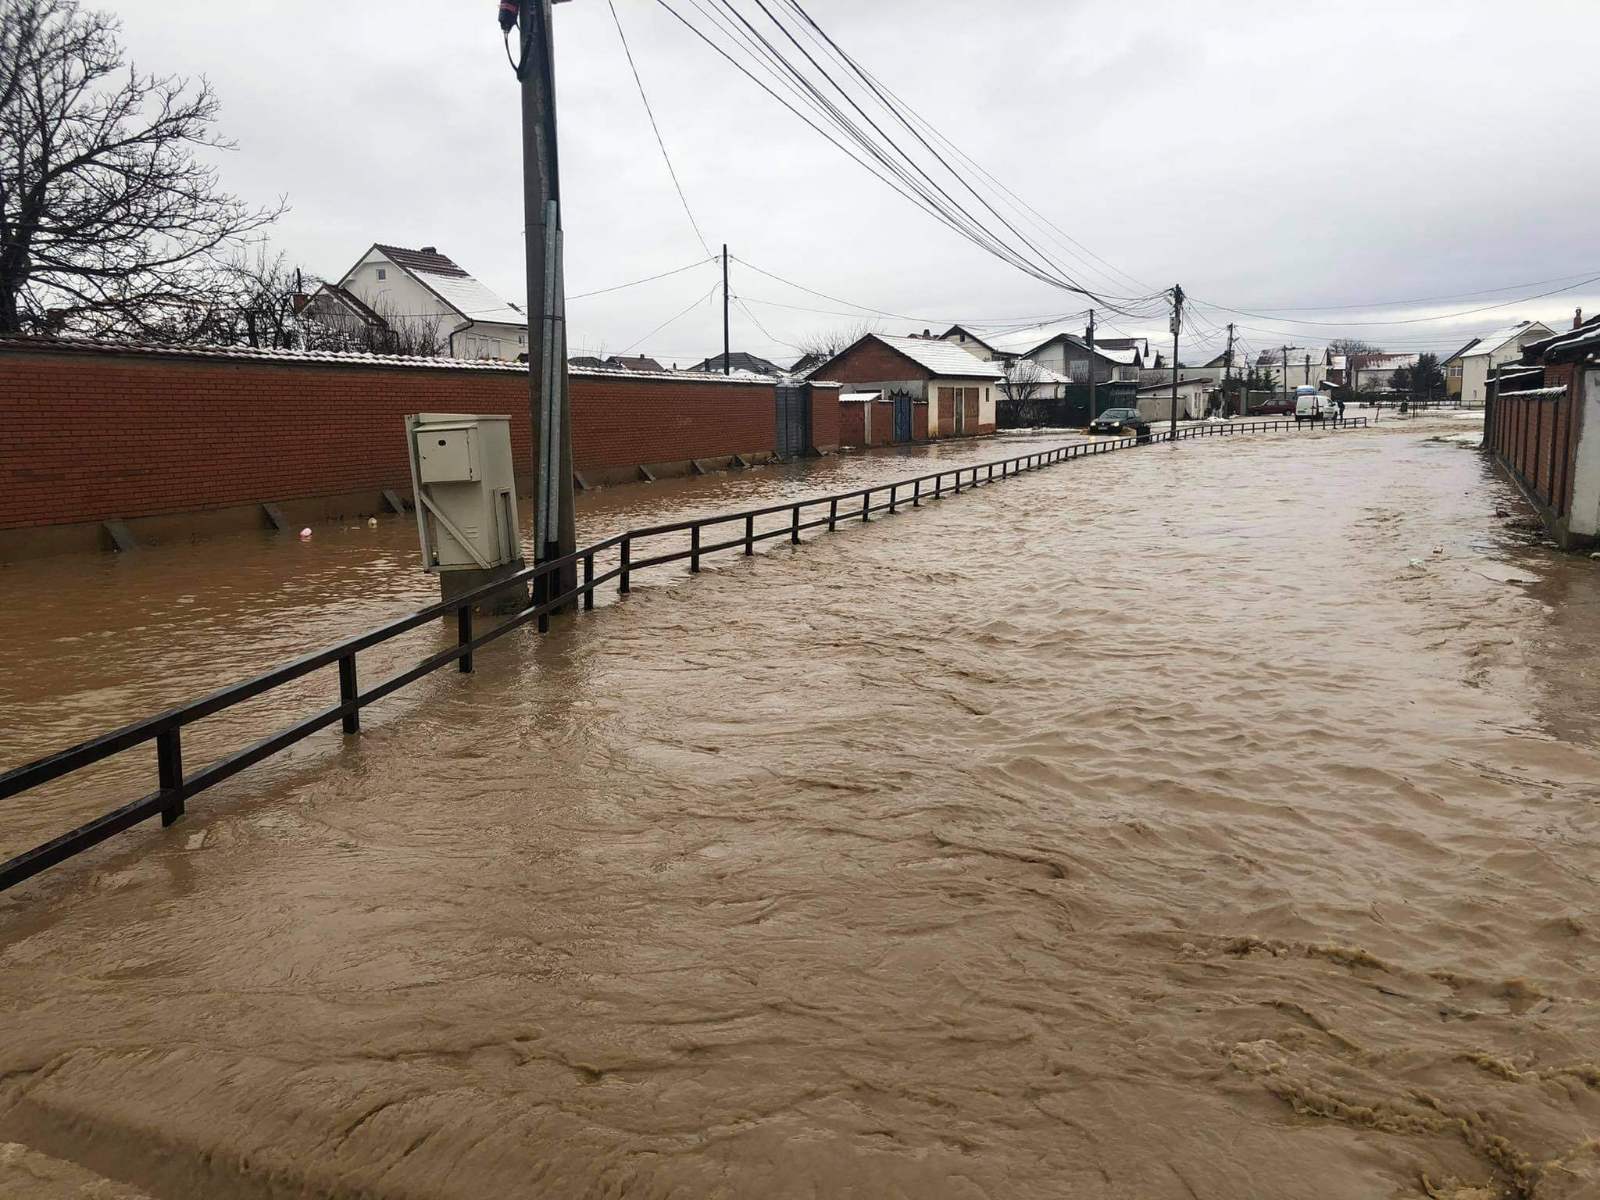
(1278, 406)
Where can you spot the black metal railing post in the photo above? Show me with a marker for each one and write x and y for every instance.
(749, 534)
(694, 550)
(622, 576)
(351, 721)
(833, 514)
(794, 527)
(894, 496)
(169, 771)
(463, 637)
(588, 582)
(916, 494)
(866, 505)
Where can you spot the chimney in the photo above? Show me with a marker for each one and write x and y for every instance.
(1577, 319)
(927, 333)
(429, 250)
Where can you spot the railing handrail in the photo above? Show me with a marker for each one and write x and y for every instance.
(164, 727)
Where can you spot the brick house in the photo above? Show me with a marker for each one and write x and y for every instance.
(958, 388)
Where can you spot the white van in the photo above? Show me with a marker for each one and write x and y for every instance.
(1310, 404)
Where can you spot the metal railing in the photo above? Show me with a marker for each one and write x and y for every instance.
(733, 531)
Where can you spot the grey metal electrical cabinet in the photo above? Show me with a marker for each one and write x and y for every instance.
(462, 475)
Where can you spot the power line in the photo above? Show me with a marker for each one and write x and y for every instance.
(1409, 321)
(650, 112)
(895, 165)
(637, 282)
(1428, 299)
(675, 319)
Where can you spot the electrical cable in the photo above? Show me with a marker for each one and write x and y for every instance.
(650, 112)
(637, 282)
(674, 319)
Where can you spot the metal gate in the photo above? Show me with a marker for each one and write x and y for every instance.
(902, 417)
(794, 420)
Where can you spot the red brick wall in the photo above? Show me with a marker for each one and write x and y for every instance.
(853, 424)
(825, 418)
(882, 422)
(85, 436)
(919, 422)
(872, 362)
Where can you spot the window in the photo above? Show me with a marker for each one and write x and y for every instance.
(382, 274)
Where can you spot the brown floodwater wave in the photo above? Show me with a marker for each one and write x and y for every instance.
(1216, 822)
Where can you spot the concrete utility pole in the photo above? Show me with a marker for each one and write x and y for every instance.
(555, 533)
(1308, 370)
(1092, 413)
(1227, 373)
(1286, 374)
(1177, 326)
(727, 350)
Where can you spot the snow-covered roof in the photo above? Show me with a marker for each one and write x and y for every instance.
(857, 397)
(1041, 373)
(1543, 393)
(1491, 342)
(451, 283)
(942, 358)
(1167, 386)
(1025, 341)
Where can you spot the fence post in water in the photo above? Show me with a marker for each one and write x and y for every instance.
(833, 514)
(463, 638)
(622, 582)
(894, 495)
(588, 582)
(694, 550)
(916, 494)
(169, 770)
(866, 505)
(958, 481)
(991, 472)
(938, 486)
(351, 721)
(794, 527)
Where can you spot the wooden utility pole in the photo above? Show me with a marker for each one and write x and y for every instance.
(1092, 413)
(727, 350)
(1177, 326)
(555, 533)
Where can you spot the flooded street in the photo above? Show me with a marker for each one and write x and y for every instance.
(1210, 822)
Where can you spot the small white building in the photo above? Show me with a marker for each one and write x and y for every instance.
(1194, 399)
(1470, 368)
(425, 291)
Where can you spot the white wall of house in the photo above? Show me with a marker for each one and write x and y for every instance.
(1192, 400)
(987, 389)
(1477, 369)
(398, 298)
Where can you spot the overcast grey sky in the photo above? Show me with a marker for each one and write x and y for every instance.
(1263, 153)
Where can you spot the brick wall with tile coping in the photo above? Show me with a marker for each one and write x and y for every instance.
(89, 434)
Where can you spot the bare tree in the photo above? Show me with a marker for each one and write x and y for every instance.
(1021, 392)
(1350, 345)
(385, 332)
(109, 221)
(820, 345)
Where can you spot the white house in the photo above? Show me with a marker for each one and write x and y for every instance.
(424, 289)
(1470, 368)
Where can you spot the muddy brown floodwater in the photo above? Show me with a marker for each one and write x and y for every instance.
(1153, 826)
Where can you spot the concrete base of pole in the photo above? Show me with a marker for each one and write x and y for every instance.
(510, 599)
